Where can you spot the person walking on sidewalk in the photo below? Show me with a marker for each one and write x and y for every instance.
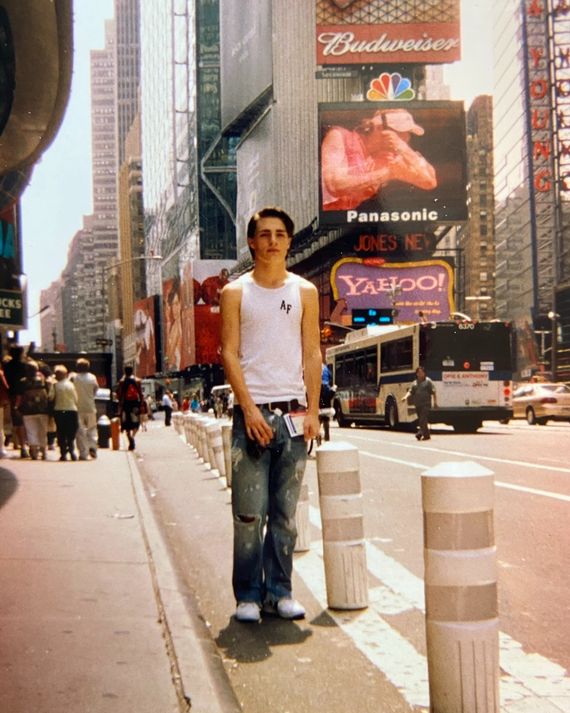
(33, 404)
(86, 386)
(420, 395)
(130, 395)
(65, 413)
(272, 359)
(168, 407)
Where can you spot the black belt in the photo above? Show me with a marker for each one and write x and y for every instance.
(283, 406)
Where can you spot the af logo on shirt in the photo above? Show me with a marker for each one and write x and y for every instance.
(285, 307)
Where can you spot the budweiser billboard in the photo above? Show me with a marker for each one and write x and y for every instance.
(396, 166)
(387, 32)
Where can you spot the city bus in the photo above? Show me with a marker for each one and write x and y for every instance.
(469, 362)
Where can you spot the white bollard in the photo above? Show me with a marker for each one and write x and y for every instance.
(215, 447)
(227, 444)
(344, 551)
(302, 521)
(202, 440)
(186, 423)
(462, 625)
(194, 418)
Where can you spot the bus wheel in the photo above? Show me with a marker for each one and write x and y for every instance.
(391, 415)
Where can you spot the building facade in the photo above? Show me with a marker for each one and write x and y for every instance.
(531, 126)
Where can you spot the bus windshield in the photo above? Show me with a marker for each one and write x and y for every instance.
(469, 346)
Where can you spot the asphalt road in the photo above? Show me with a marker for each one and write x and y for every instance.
(375, 659)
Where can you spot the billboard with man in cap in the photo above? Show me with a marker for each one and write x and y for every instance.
(392, 165)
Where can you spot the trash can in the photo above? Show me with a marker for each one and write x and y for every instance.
(103, 431)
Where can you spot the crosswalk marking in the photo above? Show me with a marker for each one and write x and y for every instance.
(527, 679)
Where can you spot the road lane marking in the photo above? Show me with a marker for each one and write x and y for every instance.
(526, 677)
(534, 466)
(498, 483)
(383, 646)
(533, 491)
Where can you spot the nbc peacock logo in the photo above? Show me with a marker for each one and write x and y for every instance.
(392, 87)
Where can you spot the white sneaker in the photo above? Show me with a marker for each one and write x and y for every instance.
(286, 608)
(248, 612)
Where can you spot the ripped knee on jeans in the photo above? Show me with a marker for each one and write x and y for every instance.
(247, 519)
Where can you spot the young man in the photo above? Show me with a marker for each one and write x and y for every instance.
(420, 395)
(272, 359)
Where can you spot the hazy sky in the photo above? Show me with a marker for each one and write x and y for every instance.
(60, 192)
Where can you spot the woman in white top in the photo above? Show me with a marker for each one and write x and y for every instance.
(65, 413)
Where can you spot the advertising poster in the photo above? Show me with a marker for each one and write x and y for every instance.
(12, 307)
(145, 314)
(387, 31)
(247, 55)
(396, 166)
(409, 288)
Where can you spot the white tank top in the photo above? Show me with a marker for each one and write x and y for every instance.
(271, 355)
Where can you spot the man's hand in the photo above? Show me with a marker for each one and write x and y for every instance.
(311, 426)
(256, 426)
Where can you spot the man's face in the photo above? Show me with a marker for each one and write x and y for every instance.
(270, 242)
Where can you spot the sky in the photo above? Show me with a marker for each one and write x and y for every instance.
(60, 191)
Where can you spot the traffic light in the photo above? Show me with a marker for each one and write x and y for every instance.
(364, 317)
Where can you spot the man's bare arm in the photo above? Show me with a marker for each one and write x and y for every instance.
(312, 359)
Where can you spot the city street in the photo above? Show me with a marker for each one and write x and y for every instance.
(352, 661)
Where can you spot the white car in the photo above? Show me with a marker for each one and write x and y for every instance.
(542, 402)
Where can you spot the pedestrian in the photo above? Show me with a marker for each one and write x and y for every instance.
(195, 404)
(420, 395)
(65, 413)
(168, 406)
(4, 405)
(33, 404)
(130, 396)
(272, 359)
(50, 381)
(86, 386)
(15, 371)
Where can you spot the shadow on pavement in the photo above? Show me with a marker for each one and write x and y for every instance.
(249, 643)
(8, 485)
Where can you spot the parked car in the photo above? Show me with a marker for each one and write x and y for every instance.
(542, 402)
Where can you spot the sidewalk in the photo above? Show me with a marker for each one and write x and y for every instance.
(92, 618)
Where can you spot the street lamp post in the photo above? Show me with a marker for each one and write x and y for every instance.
(554, 317)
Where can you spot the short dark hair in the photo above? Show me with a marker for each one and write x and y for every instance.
(270, 212)
(128, 371)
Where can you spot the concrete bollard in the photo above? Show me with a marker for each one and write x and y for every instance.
(462, 626)
(215, 447)
(201, 439)
(186, 427)
(302, 521)
(227, 444)
(340, 498)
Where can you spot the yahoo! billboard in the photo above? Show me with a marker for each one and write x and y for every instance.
(410, 287)
(397, 166)
(364, 32)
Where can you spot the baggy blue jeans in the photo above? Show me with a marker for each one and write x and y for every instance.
(266, 483)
